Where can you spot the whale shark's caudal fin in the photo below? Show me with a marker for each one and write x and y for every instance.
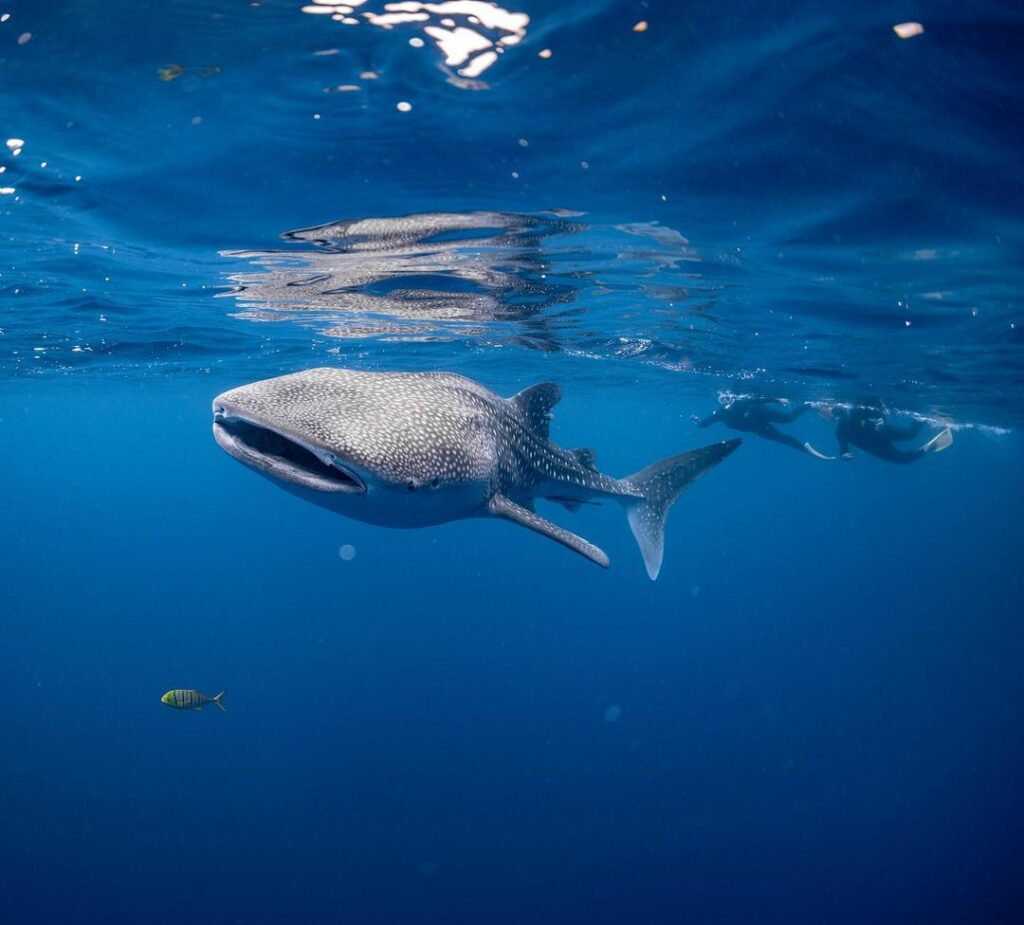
(659, 485)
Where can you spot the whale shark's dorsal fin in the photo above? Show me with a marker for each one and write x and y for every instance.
(535, 404)
(500, 506)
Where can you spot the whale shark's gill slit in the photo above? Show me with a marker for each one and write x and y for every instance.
(269, 443)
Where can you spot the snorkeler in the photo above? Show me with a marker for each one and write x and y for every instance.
(759, 415)
(867, 427)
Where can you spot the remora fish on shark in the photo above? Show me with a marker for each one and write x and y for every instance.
(416, 449)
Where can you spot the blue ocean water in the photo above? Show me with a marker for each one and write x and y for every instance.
(814, 714)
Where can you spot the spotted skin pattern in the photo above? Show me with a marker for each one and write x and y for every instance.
(427, 448)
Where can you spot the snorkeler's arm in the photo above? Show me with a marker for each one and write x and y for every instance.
(706, 422)
(844, 447)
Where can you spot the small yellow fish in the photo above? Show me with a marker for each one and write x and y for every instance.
(170, 72)
(191, 700)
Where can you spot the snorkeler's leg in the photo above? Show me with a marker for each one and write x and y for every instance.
(896, 455)
(786, 416)
(901, 432)
(893, 454)
(941, 441)
(773, 433)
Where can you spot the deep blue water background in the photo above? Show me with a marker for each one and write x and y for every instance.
(818, 705)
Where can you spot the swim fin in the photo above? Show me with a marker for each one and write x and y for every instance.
(943, 440)
(813, 452)
(217, 700)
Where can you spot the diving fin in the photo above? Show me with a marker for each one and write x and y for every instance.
(219, 701)
(658, 487)
(810, 450)
(500, 506)
(943, 440)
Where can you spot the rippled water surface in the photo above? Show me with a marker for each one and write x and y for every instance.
(797, 199)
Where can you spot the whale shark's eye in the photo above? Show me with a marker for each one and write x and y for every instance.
(435, 482)
(410, 486)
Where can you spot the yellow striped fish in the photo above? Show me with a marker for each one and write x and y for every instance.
(191, 700)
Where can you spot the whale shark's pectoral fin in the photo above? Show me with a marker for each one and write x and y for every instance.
(500, 506)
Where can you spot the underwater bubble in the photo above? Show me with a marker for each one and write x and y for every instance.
(612, 713)
(907, 30)
(347, 552)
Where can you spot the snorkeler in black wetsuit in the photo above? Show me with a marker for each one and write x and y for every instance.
(867, 427)
(759, 415)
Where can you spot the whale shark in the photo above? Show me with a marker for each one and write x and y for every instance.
(416, 449)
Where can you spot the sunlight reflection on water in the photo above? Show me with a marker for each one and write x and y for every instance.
(469, 34)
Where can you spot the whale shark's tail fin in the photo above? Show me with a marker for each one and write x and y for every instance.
(658, 486)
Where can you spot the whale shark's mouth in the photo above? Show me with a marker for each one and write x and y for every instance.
(282, 457)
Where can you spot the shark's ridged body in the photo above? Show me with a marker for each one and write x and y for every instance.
(413, 449)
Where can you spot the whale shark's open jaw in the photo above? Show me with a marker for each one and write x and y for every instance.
(282, 456)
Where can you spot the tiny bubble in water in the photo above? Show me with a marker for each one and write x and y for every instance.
(612, 713)
(347, 553)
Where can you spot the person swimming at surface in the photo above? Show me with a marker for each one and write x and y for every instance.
(867, 427)
(758, 415)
